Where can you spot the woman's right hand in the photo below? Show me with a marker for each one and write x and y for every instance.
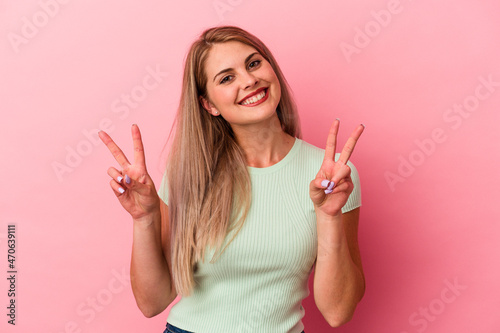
(132, 185)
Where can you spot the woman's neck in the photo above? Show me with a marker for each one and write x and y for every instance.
(264, 145)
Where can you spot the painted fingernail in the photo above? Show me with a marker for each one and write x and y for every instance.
(325, 183)
(330, 186)
(119, 179)
(121, 190)
(127, 179)
(337, 119)
(328, 191)
(363, 125)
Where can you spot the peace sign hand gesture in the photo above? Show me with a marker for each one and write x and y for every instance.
(133, 186)
(332, 186)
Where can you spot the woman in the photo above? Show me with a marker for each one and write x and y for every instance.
(245, 214)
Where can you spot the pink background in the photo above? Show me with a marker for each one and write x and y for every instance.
(429, 224)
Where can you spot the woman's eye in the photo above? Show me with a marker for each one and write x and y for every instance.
(251, 65)
(254, 63)
(225, 79)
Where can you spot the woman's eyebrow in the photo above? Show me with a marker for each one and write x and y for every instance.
(230, 69)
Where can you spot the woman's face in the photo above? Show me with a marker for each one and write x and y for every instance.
(241, 85)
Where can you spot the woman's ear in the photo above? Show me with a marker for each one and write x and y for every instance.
(208, 106)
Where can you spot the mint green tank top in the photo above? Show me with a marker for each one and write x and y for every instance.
(260, 280)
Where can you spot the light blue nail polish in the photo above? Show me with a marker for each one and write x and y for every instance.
(127, 179)
(328, 191)
(330, 186)
(121, 190)
(325, 182)
(120, 178)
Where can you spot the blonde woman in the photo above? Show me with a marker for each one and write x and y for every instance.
(246, 209)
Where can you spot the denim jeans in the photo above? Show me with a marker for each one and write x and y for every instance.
(173, 329)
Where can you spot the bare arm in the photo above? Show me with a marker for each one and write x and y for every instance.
(150, 263)
(339, 282)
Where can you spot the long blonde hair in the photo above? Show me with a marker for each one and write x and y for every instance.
(208, 181)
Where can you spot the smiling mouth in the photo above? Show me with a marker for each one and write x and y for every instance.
(256, 99)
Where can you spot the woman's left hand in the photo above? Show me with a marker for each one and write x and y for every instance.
(332, 186)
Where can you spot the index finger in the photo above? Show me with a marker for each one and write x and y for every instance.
(139, 157)
(114, 149)
(350, 144)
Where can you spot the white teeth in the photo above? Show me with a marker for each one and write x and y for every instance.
(254, 99)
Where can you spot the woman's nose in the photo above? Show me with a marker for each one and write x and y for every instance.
(249, 80)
